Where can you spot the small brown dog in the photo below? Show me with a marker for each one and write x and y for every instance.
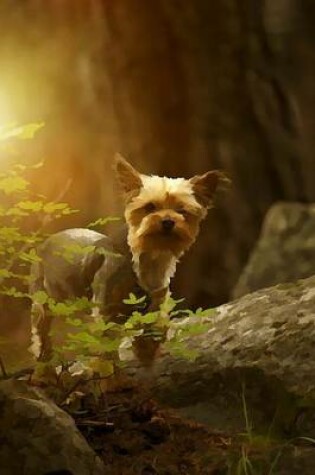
(162, 215)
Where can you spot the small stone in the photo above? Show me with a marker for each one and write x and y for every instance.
(157, 430)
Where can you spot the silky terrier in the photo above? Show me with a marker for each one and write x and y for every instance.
(163, 217)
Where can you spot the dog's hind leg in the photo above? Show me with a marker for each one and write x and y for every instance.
(41, 318)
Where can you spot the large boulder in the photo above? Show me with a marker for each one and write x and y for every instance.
(285, 251)
(261, 346)
(38, 438)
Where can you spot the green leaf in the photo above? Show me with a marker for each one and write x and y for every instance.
(4, 274)
(30, 205)
(9, 234)
(23, 132)
(79, 304)
(133, 300)
(109, 345)
(150, 317)
(208, 312)
(40, 297)
(194, 329)
(83, 337)
(13, 184)
(101, 326)
(16, 212)
(76, 322)
(104, 368)
(169, 304)
(13, 292)
(79, 249)
(66, 212)
(179, 349)
(52, 207)
(30, 256)
(62, 309)
(103, 221)
(135, 319)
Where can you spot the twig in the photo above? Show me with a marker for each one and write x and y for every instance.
(77, 383)
(48, 218)
(93, 423)
(17, 374)
(71, 390)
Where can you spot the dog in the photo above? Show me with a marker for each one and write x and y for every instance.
(162, 221)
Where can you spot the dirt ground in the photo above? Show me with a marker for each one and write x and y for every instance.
(133, 436)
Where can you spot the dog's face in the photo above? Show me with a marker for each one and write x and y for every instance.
(163, 214)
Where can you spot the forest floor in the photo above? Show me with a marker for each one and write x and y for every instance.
(134, 436)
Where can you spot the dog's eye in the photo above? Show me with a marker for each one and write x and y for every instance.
(181, 211)
(150, 207)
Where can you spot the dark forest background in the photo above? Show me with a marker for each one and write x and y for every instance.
(177, 87)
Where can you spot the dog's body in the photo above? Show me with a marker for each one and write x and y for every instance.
(83, 263)
(64, 277)
(162, 217)
(65, 272)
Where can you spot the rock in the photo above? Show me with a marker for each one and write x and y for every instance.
(285, 251)
(254, 374)
(38, 438)
(261, 349)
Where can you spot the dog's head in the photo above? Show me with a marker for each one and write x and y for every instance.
(164, 214)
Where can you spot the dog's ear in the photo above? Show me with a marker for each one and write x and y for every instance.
(128, 178)
(206, 185)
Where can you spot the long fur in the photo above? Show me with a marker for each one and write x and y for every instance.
(152, 200)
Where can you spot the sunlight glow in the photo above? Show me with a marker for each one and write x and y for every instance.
(7, 115)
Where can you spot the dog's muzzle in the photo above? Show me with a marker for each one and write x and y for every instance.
(167, 225)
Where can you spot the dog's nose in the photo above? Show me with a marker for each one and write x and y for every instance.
(168, 224)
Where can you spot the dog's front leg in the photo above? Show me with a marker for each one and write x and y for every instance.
(41, 344)
(158, 297)
(147, 346)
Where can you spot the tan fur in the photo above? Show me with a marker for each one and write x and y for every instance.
(150, 200)
(129, 179)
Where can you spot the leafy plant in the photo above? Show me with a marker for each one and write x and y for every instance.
(20, 208)
(18, 205)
